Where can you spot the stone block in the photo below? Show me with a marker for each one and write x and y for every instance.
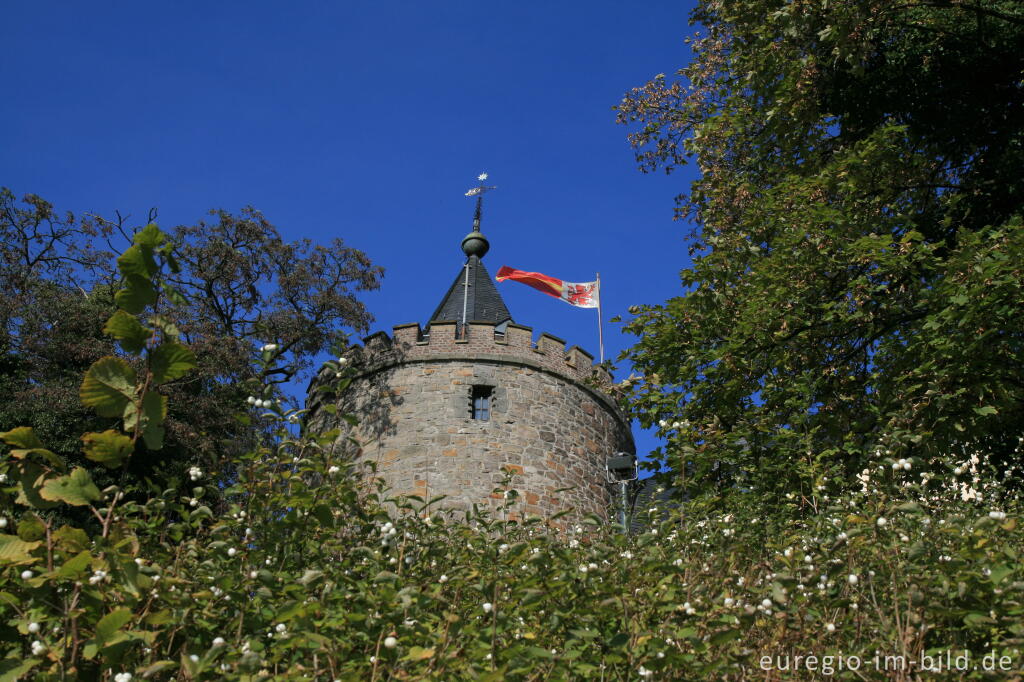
(551, 345)
(518, 336)
(407, 335)
(442, 334)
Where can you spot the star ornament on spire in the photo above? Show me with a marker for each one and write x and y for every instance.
(481, 188)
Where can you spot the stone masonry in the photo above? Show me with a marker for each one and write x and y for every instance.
(551, 422)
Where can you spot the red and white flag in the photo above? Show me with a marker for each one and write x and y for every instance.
(579, 294)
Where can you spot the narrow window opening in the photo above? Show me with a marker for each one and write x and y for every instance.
(480, 402)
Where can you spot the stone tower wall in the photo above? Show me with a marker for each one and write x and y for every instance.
(551, 423)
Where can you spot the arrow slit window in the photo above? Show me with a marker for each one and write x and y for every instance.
(480, 402)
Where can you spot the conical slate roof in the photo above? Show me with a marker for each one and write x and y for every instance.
(483, 303)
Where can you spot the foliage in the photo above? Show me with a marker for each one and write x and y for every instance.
(310, 576)
(856, 285)
(236, 285)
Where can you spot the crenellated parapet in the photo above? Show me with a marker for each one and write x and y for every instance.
(411, 342)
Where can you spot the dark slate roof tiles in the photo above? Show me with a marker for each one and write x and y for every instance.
(483, 302)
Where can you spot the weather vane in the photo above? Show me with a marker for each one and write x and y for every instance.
(479, 192)
(481, 188)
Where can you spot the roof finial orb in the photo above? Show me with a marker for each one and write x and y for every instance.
(475, 243)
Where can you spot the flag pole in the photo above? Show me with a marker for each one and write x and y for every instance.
(600, 325)
(465, 300)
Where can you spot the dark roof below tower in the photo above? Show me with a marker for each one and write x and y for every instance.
(483, 303)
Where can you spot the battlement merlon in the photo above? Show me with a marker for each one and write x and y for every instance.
(413, 342)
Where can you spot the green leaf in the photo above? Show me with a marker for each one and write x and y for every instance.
(12, 669)
(158, 667)
(128, 331)
(172, 262)
(75, 489)
(21, 437)
(71, 539)
(621, 639)
(418, 653)
(14, 550)
(988, 409)
(150, 236)
(779, 593)
(137, 260)
(174, 296)
(169, 329)
(190, 666)
(108, 387)
(138, 292)
(109, 448)
(76, 565)
(977, 618)
(201, 512)
(725, 636)
(324, 516)
(108, 625)
(26, 443)
(999, 572)
(309, 576)
(154, 410)
(289, 610)
(160, 618)
(584, 634)
(51, 459)
(169, 361)
(31, 528)
(30, 477)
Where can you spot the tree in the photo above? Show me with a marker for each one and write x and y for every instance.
(856, 290)
(239, 286)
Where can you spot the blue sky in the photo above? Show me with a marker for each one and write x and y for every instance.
(365, 121)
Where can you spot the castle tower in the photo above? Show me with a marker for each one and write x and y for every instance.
(443, 409)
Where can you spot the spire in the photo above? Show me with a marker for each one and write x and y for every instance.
(475, 243)
(473, 295)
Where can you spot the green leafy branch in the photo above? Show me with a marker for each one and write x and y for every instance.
(112, 386)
